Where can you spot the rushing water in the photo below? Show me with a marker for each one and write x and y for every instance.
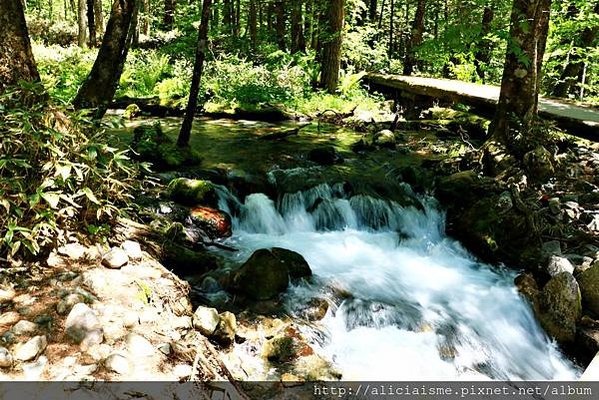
(421, 307)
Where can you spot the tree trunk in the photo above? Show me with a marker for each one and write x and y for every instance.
(518, 101)
(169, 13)
(483, 51)
(280, 24)
(331, 46)
(99, 18)
(298, 42)
(81, 18)
(391, 28)
(415, 39)
(98, 89)
(16, 59)
(91, 23)
(198, 68)
(575, 65)
(145, 26)
(372, 11)
(253, 25)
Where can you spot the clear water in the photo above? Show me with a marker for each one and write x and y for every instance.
(421, 307)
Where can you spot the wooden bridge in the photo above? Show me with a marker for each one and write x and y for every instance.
(577, 120)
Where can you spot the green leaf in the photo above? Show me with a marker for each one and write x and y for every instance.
(52, 198)
(90, 195)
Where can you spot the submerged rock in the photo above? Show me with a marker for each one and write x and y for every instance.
(215, 223)
(325, 156)
(560, 307)
(589, 287)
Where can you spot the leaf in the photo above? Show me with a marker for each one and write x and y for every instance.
(63, 171)
(52, 198)
(90, 195)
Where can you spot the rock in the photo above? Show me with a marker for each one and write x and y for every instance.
(226, 329)
(588, 338)
(295, 262)
(74, 251)
(131, 111)
(539, 164)
(5, 358)
(24, 327)
(31, 349)
(385, 138)
(83, 327)
(133, 249)
(139, 346)
(558, 265)
(9, 318)
(118, 363)
(193, 192)
(165, 348)
(560, 307)
(115, 258)
(589, 287)
(206, 320)
(6, 295)
(554, 205)
(182, 371)
(65, 305)
(527, 287)
(130, 319)
(263, 276)
(214, 223)
(325, 156)
(315, 309)
(552, 248)
(210, 285)
(279, 349)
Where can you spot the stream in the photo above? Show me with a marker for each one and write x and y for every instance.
(421, 307)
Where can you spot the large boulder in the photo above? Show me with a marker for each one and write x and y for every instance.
(560, 307)
(263, 276)
(589, 287)
(214, 223)
(297, 266)
(192, 192)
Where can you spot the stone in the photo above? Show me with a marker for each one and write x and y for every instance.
(115, 258)
(552, 247)
(206, 320)
(24, 327)
(262, 277)
(589, 287)
(558, 265)
(6, 295)
(133, 249)
(385, 138)
(214, 223)
(118, 363)
(210, 285)
(31, 349)
(315, 309)
(182, 371)
(527, 287)
(130, 319)
(6, 359)
(193, 192)
(554, 206)
(83, 327)
(9, 318)
(65, 305)
(297, 266)
(226, 329)
(165, 348)
(560, 307)
(139, 346)
(327, 155)
(74, 251)
(131, 111)
(279, 349)
(539, 164)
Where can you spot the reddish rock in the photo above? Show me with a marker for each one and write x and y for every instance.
(215, 223)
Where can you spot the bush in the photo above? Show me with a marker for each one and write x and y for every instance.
(57, 175)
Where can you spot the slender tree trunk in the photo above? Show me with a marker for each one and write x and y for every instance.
(518, 101)
(169, 13)
(415, 39)
(280, 24)
(372, 11)
(391, 28)
(298, 42)
(198, 68)
(331, 46)
(82, 18)
(253, 25)
(98, 89)
(99, 18)
(91, 23)
(16, 58)
(483, 52)
(145, 26)
(575, 65)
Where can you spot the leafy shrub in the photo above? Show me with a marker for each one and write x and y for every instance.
(57, 174)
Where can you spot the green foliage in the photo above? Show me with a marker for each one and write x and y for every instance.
(57, 174)
(151, 144)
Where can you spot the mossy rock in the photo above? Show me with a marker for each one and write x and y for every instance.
(262, 277)
(279, 349)
(560, 307)
(152, 145)
(192, 192)
(131, 111)
(589, 287)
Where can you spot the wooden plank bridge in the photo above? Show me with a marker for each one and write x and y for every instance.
(578, 120)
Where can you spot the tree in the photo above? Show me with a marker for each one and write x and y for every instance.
(16, 58)
(81, 19)
(415, 39)
(91, 22)
(99, 20)
(332, 38)
(98, 89)
(483, 51)
(253, 25)
(298, 42)
(518, 101)
(169, 13)
(198, 69)
(280, 24)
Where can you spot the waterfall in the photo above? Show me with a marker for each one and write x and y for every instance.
(421, 306)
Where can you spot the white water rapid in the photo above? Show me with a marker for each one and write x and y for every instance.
(421, 307)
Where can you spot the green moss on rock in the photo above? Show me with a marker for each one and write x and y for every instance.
(192, 191)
